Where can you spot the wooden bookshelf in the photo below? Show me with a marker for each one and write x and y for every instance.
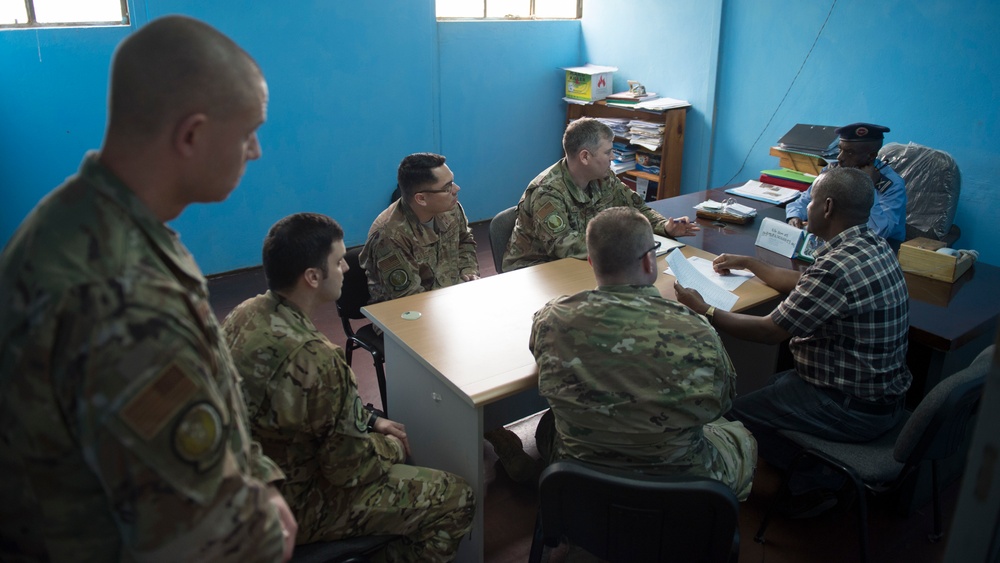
(671, 149)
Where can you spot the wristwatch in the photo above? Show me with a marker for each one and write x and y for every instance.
(710, 313)
(375, 413)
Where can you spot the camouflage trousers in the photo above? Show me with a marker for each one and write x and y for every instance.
(732, 459)
(432, 510)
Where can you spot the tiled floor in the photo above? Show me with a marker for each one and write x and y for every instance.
(510, 508)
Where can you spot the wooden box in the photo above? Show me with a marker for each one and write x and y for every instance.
(808, 163)
(920, 256)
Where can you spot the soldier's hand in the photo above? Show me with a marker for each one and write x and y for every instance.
(681, 227)
(469, 277)
(691, 298)
(394, 429)
(289, 527)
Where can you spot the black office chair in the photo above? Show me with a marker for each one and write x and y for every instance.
(350, 550)
(933, 184)
(628, 517)
(353, 297)
(934, 431)
(501, 226)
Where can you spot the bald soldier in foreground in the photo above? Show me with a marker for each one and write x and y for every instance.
(636, 381)
(123, 433)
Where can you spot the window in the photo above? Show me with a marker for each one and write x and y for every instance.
(509, 9)
(53, 13)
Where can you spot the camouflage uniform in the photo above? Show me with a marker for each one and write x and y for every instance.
(553, 213)
(123, 434)
(343, 481)
(403, 257)
(637, 381)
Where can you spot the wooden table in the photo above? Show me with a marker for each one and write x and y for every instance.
(464, 367)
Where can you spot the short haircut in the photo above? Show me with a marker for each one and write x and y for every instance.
(416, 171)
(852, 191)
(177, 66)
(296, 243)
(616, 239)
(585, 133)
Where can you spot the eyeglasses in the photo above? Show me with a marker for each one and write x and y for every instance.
(656, 246)
(449, 190)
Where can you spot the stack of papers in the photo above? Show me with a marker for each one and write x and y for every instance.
(765, 192)
(646, 134)
(728, 207)
(661, 104)
(698, 274)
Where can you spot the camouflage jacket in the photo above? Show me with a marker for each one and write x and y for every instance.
(123, 434)
(631, 378)
(304, 406)
(553, 213)
(403, 257)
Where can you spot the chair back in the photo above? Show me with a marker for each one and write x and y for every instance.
(501, 227)
(354, 293)
(938, 425)
(626, 516)
(933, 183)
(348, 550)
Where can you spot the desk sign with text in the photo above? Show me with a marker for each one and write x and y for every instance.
(786, 240)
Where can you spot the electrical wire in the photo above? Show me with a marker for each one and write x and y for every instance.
(790, 85)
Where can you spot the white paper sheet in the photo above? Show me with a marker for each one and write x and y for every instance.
(691, 278)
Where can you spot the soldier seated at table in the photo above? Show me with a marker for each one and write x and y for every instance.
(344, 463)
(634, 380)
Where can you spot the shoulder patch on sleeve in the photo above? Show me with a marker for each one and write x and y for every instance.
(398, 279)
(361, 415)
(157, 403)
(197, 437)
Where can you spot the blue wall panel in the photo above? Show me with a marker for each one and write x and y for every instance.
(502, 114)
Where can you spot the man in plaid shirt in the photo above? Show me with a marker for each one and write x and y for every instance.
(847, 316)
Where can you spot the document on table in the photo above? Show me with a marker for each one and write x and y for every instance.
(729, 282)
(666, 244)
(689, 276)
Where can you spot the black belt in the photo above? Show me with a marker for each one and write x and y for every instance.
(860, 405)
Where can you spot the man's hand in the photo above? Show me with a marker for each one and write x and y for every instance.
(469, 277)
(681, 227)
(289, 527)
(726, 262)
(393, 429)
(691, 298)
(796, 222)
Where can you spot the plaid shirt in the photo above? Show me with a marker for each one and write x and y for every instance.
(849, 317)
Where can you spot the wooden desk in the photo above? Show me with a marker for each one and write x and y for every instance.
(464, 365)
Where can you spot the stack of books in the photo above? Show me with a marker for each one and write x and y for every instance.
(628, 99)
(787, 178)
(623, 157)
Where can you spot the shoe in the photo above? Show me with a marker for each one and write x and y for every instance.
(808, 505)
(516, 462)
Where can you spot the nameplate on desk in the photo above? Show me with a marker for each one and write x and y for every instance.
(781, 238)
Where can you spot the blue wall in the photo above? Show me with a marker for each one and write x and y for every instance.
(671, 46)
(502, 114)
(353, 91)
(928, 69)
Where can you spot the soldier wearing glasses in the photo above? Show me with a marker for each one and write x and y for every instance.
(634, 380)
(422, 241)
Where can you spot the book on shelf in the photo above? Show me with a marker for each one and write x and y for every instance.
(767, 193)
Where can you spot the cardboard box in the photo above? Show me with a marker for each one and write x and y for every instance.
(589, 82)
(920, 257)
